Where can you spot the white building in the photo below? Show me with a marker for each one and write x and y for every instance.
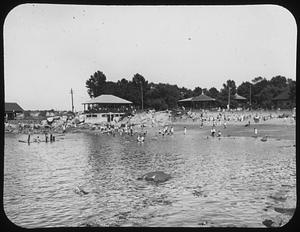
(105, 108)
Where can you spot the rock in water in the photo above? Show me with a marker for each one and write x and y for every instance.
(264, 139)
(268, 223)
(275, 222)
(157, 176)
(288, 211)
(80, 191)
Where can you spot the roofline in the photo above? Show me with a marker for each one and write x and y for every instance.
(105, 103)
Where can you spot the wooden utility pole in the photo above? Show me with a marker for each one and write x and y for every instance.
(72, 100)
(229, 97)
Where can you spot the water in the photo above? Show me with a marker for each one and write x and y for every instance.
(227, 182)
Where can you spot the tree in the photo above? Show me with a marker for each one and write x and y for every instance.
(185, 93)
(259, 84)
(111, 88)
(213, 92)
(279, 81)
(292, 92)
(42, 113)
(244, 89)
(197, 91)
(224, 96)
(96, 84)
(266, 96)
(205, 91)
(257, 79)
(157, 103)
(165, 96)
(140, 82)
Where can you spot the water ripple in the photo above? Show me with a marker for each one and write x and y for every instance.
(222, 183)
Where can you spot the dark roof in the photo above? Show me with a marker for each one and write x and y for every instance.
(107, 98)
(283, 95)
(12, 106)
(202, 97)
(238, 97)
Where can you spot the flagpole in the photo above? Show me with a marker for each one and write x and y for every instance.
(72, 100)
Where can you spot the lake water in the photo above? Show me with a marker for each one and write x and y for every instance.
(226, 182)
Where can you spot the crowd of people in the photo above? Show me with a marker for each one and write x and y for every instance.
(219, 117)
(216, 120)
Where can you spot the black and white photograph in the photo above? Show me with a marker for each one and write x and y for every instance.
(149, 116)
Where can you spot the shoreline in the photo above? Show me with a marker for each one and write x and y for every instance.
(282, 126)
(273, 131)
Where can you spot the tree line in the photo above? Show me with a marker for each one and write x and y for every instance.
(161, 96)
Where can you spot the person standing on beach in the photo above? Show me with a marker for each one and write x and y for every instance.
(184, 132)
(131, 130)
(213, 131)
(28, 139)
(172, 130)
(255, 131)
(63, 128)
(214, 122)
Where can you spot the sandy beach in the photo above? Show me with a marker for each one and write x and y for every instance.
(274, 124)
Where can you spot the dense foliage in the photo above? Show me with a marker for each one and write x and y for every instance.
(162, 96)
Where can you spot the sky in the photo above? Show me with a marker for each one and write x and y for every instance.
(50, 48)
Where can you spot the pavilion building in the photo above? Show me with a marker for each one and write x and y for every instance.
(199, 102)
(106, 108)
(241, 101)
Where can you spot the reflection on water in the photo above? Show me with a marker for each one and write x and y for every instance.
(226, 182)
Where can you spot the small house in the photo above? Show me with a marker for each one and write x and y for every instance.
(11, 110)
